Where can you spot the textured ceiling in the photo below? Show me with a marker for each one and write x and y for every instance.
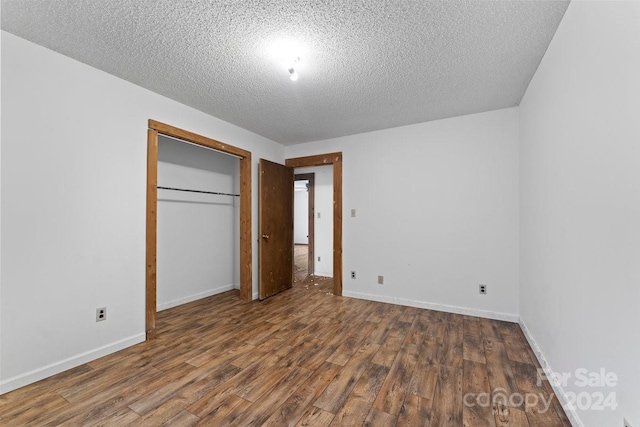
(364, 65)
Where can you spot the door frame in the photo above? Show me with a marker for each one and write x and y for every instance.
(311, 177)
(157, 128)
(334, 159)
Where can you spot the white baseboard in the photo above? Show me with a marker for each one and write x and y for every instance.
(437, 307)
(190, 298)
(254, 296)
(322, 274)
(71, 362)
(557, 387)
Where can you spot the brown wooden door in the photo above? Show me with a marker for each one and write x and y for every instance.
(276, 228)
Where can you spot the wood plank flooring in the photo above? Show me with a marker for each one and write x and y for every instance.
(302, 358)
(300, 262)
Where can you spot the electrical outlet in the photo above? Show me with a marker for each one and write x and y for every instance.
(353, 213)
(353, 274)
(380, 280)
(627, 423)
(318, 215)
(101, 314)
(483, 289)
(318, 259)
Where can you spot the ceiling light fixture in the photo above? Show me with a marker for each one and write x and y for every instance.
(293, 74)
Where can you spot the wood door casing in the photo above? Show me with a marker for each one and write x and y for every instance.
(334, 159)
(246, 269)
(275, 228)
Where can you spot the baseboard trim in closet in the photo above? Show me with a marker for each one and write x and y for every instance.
(190, 298)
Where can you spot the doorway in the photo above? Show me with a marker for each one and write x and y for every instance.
(334, 159)
(304, 226)
(155, 129)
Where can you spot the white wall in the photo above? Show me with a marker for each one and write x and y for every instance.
(73, 207)
(300, 213)
(436, 212)
(323, 221)
(196, 249)
(580, 202)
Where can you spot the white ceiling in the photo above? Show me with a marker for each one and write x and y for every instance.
(364, 65)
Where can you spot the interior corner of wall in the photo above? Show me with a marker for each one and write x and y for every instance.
(549, 373)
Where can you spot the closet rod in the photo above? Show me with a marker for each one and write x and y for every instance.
(197, 191)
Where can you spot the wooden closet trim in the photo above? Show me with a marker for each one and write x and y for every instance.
(334, 159)
(157, 128)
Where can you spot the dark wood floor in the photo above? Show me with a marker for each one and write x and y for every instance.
(304, 357)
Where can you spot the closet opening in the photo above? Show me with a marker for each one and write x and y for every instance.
(198, 219)
(198, 222)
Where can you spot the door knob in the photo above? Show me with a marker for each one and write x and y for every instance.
(265, 236)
